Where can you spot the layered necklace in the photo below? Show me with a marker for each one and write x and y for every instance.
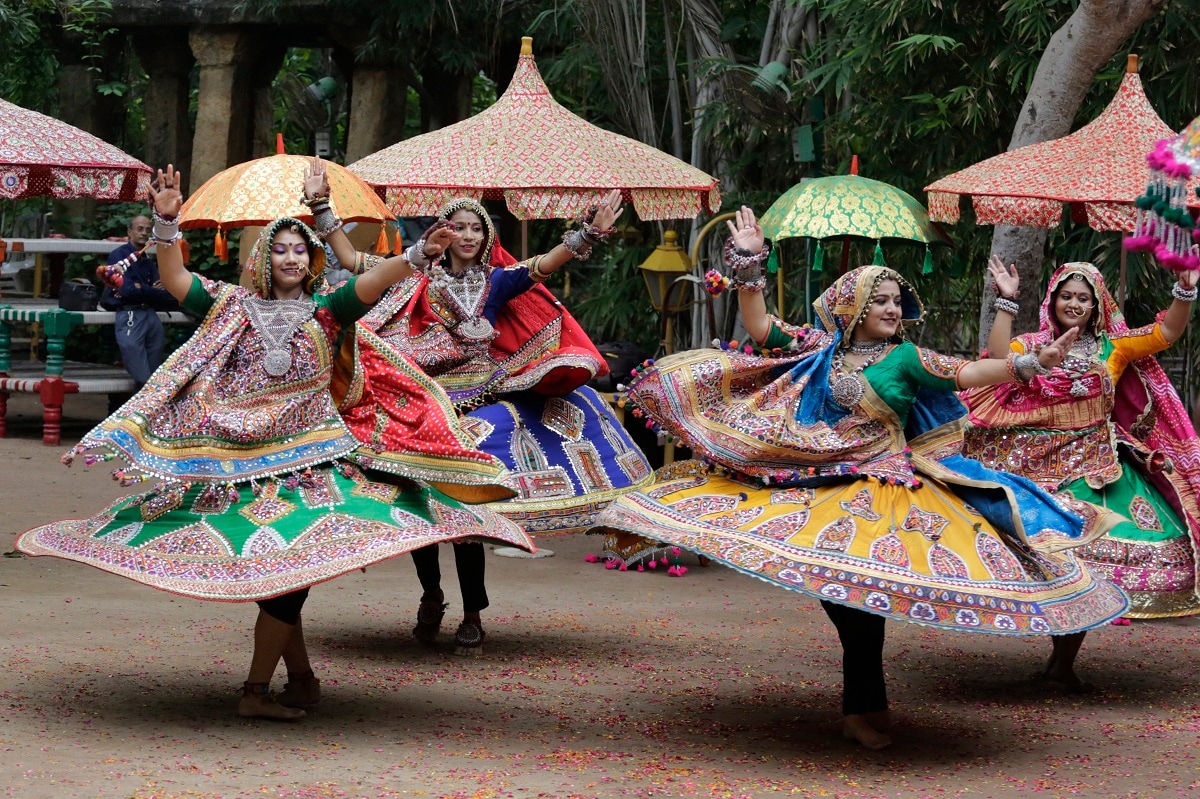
(848, 387)
(1080, 360)
(276, 321)
(464, 295)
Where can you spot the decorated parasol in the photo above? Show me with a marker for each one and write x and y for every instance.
(1098, 171)
(544, 161)
(850, 206)
(45, 157)
(256, 192)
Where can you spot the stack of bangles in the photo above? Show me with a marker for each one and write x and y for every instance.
(581, 240)
(325, 222)
(1024, 366)
(416, 256)
(166, 231)
(1182, 294)
(746, 266)
(1007, 304)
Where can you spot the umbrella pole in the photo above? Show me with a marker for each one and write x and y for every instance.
(1121, 293)
(779, 289)
(524, 239)
(846, 253)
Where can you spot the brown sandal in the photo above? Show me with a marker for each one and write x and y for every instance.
(429, 619)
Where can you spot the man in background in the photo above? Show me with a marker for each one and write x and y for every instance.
(137, 302)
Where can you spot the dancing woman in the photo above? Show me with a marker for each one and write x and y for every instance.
(1105, 426)
(836, 473)
(255, 501)
(513, 361)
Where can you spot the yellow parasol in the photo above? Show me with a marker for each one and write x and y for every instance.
(256, 192)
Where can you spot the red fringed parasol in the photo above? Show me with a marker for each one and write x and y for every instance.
(544, 161)
(41, 156)
(1099, 171)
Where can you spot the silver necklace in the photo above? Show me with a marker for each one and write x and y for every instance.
(848, 388)
(276, 321)
(465, 295)
(1079, 361)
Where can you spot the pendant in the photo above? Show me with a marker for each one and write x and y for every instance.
(1078, 388)
(476, 328)
(847, 390)
(277, 362)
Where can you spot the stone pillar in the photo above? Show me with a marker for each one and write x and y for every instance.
(369, 103)
(165, 55)
(268, 59)
(225, 106)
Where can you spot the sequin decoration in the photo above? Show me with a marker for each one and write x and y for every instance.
(890, 549)
(562, 417)
(1143, 515)
(544, 484)
(197, 540)
(945, 563)
(782, 527)
(996, 557)
(859, 506)
(263, 541)
(319, 490)
(836, 535)
(706, 504)
(927, 524)
(167, 500)
(267, 508)
(588, 466)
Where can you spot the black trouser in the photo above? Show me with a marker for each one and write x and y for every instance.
(861, 634)
(468, 561)
(286, 608)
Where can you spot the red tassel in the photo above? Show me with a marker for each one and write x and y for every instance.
(221, 246)
(381, 243)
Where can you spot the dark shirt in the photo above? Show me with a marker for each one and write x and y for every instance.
(138, 286)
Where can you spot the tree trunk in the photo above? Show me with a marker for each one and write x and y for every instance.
(1086, 42)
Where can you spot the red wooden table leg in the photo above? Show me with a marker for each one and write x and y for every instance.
(53, 391)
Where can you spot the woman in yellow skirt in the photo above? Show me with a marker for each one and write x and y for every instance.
(833, 468)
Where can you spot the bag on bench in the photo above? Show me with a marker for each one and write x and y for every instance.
(78, 294)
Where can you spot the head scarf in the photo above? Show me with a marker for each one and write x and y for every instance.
(1106, 317)
(259, 265)
(839, 309)
(489, 230)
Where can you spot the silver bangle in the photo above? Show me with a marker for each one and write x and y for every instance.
(166, 231)
(1182, 294)
(578, 244)
(1027, 366)
(1007, 305)
(325, 221)
(416, 254)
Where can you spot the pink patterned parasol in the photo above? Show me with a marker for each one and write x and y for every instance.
(546, 162)
(1099, 171)
(41, 156)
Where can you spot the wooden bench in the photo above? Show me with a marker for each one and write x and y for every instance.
(53, 380)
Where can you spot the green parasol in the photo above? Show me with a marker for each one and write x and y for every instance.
(851, 205)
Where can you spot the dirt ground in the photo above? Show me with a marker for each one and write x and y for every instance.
(595, 683)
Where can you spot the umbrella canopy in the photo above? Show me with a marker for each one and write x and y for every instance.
(1099, 170)
(256, 192)
(41, 156)
(546, 162)
(849, 205)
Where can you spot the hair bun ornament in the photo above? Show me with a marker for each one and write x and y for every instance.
(1164, 225)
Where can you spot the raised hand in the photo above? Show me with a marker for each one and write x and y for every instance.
(747, 233)
(609, 211)
(316, 181)
(1008, 282)
(1055, 352)
(1187, 280)
(165, 194)
(439, 237)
